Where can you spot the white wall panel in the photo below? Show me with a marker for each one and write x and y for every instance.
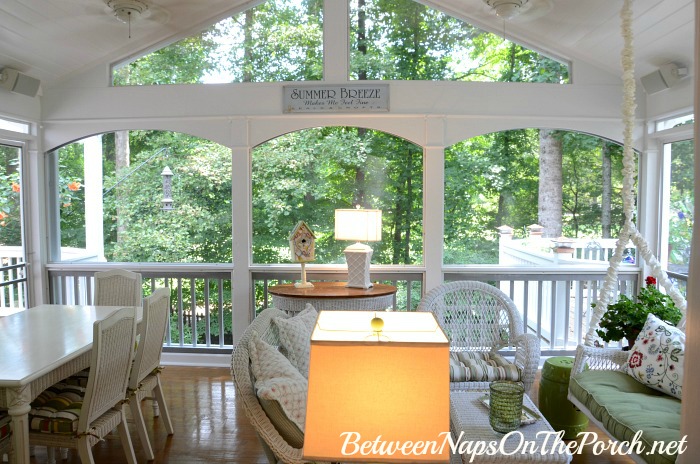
(204, 110)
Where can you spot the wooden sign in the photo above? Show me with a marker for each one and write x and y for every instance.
(336, 98)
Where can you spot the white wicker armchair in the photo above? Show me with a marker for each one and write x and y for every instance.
(277, 449)
(478, 317)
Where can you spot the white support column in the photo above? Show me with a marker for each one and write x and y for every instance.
(35, 223)
(690, 406)
(433, 202)
(336, 41)
(649, 204)
(664, 203)
(242, 217)
(94, 232)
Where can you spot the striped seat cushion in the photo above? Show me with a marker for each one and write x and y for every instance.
(57, 409)
(471, 366)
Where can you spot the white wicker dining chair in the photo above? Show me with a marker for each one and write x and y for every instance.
(118, 287)
(145, 373)
(103, 406)
(481, 320)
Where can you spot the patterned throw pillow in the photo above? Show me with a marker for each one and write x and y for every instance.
(295, 337)
(276, 379)
(656, 359)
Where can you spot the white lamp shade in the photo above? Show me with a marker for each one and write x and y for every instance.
(360, 225)
(364, 386)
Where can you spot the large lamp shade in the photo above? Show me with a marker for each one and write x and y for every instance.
(370, 389)
(358, 225)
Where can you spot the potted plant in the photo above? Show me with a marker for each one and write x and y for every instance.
(625, 318)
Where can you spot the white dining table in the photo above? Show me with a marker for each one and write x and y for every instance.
(39, 347)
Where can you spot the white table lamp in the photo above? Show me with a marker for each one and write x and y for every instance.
(383, 380)
(359, 225)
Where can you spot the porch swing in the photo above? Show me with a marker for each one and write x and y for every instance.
(629, 230)
(632, 395)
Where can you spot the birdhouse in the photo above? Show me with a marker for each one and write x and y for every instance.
(301, 243)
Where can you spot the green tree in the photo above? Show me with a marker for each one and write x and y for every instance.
(681, 204)
(198, 229)
(304, 175)
(71, 195)
(185, 62)
(277, 40)
(10, 218)
(406, 40)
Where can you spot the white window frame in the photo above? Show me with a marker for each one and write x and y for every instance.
(661, 141)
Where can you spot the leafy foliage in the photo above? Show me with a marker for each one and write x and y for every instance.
(626, 317)
(681, 204)
(310, 173)
(277, 40)
(492, 180)
(281, 40)
(405, 40)
(10, 224)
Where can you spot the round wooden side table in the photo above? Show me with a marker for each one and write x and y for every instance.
(332, 296)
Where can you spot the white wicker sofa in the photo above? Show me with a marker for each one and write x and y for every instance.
(620, 405)
(281, 440)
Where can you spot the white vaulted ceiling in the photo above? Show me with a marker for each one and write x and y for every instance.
(53, 40)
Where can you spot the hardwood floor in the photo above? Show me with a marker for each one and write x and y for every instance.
(211, 428)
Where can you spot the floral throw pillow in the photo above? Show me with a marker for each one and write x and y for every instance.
(656, 359)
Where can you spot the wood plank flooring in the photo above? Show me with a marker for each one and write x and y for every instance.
(210, 427)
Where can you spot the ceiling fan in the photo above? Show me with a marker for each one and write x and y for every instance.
(520, 10)
(130, 12)
(136, 10)
(127, 10)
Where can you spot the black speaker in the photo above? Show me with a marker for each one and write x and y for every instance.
(17, 82)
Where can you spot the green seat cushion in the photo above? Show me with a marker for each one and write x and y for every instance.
(285, 427)
(57, 409)
(474, 366)
(625, 406)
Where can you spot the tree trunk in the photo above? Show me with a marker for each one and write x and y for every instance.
(606, 201)
(359, 196)
(122, 162)
(248, 43)
(409, 209)
(549, 209)
(505, 197)
(361, 36)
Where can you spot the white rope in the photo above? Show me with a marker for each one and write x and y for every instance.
(629, 230)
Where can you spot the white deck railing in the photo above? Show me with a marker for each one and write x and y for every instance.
(13, 280)
(555, 301)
